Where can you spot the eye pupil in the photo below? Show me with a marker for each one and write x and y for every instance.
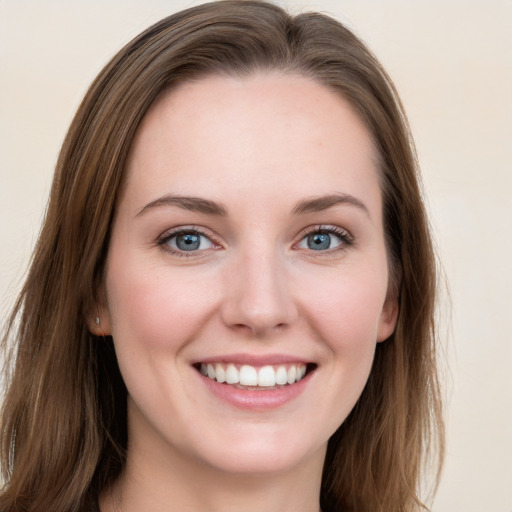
(188, 241)
(319, 241)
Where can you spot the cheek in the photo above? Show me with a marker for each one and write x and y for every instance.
(345, 311)
(343, 315)
(156, 308)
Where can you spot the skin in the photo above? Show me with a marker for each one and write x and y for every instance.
(258, 146)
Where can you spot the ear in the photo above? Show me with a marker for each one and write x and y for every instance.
(99, 322)
(387, 320)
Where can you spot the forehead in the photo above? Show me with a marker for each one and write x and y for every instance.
(265, 132)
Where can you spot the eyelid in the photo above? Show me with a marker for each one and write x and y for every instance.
(346, 238)
(162, 240)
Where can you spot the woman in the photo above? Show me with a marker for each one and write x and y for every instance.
(231, 301)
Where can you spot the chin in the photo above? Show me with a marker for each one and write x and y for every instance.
(263, 452)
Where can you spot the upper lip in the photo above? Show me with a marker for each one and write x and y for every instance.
(254, 360)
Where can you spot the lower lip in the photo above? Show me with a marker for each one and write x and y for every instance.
(256, 400)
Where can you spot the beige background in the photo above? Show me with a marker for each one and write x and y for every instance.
(452, 63)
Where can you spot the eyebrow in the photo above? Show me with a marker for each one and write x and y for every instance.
(318, 204)
(194, 204)
(208, 207)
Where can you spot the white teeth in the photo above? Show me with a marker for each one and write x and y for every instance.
(281, 376)
(232, 374)
(292, 373)
(248, 376)
(266, 376)
(220, 374)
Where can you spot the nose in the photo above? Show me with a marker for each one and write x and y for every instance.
(258, 296)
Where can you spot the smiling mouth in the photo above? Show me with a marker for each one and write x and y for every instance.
(252, 377)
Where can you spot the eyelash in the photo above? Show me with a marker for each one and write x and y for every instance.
(346, 239)
(163, 241)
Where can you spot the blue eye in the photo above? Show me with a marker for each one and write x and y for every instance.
(324, 239)
(319, 241)
(187, 241)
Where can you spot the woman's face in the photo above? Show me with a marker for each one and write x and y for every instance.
(248, 244)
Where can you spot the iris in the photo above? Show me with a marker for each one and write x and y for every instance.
(319, 241)
(188, 241)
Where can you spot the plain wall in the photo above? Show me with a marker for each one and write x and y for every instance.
(452, 63)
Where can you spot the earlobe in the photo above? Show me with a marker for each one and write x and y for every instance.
(388, 319)
(99, 323)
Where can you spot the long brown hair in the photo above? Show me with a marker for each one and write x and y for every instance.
(63, 426)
